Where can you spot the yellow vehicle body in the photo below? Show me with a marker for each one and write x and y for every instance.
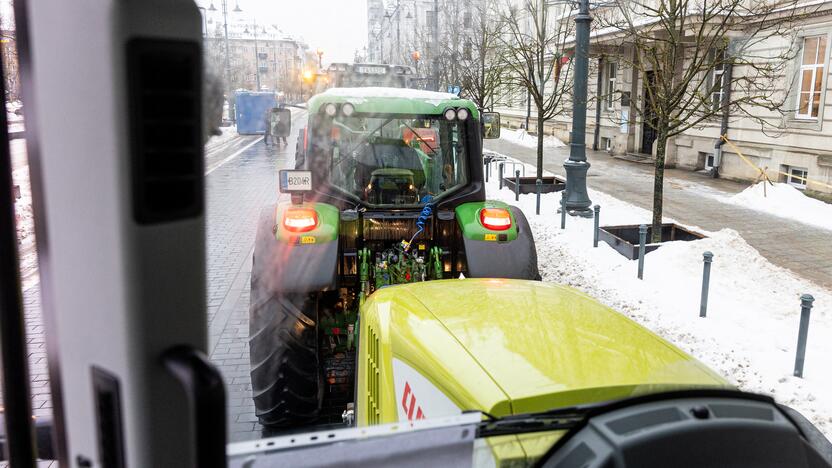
(505, 347)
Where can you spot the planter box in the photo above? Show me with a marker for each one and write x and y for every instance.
(528, 184)
(624, 239)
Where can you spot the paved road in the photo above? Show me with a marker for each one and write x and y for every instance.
(236, 192)
(802, 248)
(240, 179)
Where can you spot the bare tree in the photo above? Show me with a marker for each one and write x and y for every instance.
(701, 59)
(480, 71)
(534, 43)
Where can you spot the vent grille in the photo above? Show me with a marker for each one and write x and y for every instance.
(373, 412)
(165, 106)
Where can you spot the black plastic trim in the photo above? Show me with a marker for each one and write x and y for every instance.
(206, 396)
(108, 416)
(165, 118)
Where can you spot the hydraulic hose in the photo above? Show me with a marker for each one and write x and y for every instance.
(426, 213)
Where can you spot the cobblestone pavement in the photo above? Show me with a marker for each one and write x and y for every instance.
(240, 180)
(802, 248)
(236, 193)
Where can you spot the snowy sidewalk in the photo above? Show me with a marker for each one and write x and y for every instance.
(697, 200)
(750, 333)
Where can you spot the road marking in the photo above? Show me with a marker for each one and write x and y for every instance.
(234, 155)
(239, 152)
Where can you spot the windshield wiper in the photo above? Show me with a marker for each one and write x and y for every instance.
(554, 420)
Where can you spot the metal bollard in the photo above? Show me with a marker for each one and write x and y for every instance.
(642, 240)
(537, 185)
(516, 185)
(501, 175)
(706, 279)
(597, 209)
(806, 301)
(563, 209)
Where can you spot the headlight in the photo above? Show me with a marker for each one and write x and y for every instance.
(450, 114)
(330, 109)
(462, 114)
(347, 109)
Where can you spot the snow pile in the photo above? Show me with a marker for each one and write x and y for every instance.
(11, 115)
(750, 333)
(784, 201)
(522, 138)
(227, 133)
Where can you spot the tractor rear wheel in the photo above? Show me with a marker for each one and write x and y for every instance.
(286, 376)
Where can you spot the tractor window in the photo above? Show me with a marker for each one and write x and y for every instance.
(389, 160)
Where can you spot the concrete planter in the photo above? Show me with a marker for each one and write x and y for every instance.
(624, 239)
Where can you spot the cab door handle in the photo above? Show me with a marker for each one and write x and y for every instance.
(206, 395)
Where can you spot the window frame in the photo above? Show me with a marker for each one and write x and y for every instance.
(717, 74)
(611, 72)
(797, 183)
(819, 64)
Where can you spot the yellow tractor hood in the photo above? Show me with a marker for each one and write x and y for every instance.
(511, 346)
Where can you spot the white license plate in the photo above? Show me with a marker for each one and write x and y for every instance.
(295, 181)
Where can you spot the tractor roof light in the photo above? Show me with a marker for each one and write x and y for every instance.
(462, 114)
(495, 219)
(347, 109)
(331, 109)
(300, 219)
(450, 114)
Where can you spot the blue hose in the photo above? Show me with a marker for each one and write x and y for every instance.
(426, 213)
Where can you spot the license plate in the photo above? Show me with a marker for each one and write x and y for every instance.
(295, 181)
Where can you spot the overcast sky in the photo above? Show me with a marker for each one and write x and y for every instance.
(338, 27)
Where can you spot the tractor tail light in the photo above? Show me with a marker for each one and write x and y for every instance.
(496, 219)
(300, 219)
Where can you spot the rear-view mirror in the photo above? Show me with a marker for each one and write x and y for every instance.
(490, 125)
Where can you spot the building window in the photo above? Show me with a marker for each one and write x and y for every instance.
(709, 160)
(811, 77)
(606, 143)
(430, 19)
(611, 71)
(466, 20)
(717, 79)
(797, 176)
(466, 50)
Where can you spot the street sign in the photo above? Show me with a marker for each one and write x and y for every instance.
(453, 89)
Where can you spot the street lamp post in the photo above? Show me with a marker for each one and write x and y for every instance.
(231, 111)
(577, 198)
(320, 56)
(256, 56)
(435, 48)
(398, 28)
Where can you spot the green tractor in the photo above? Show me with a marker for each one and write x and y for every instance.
(387, 189)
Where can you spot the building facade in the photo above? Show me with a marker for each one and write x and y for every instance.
(793, 143)
(258, 54)
(433, 36)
